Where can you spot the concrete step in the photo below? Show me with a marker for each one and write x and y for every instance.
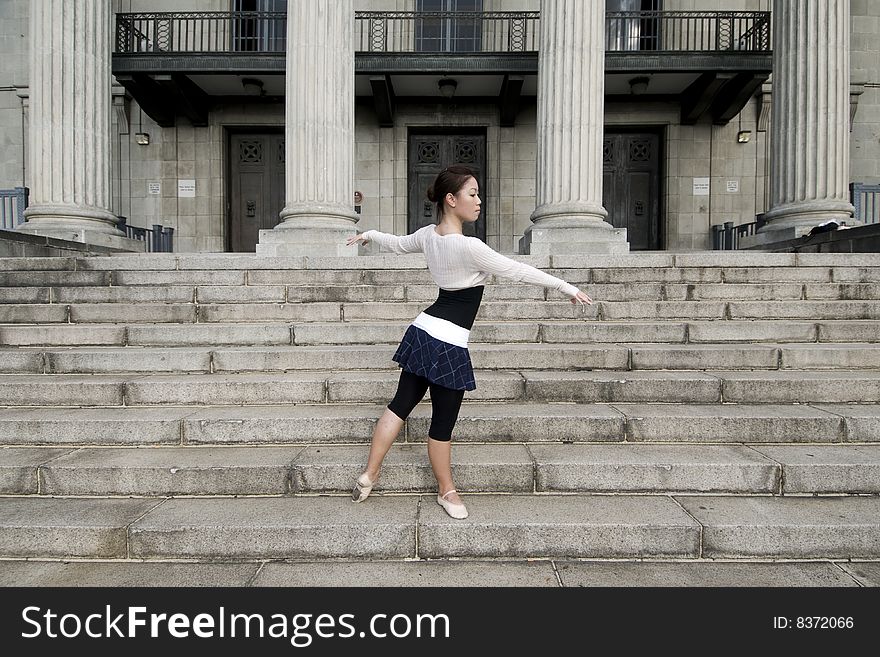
(557, 309)
(484, 331)
(508, 526)
(227, 389)
(725, 527)
(511, 468)
(510, 356)
(748, 356)
(478, 422)
(56, 278)
(90, 360)
(423, 291)
(659, 386)
(250, 470)
(557, 468)
(183, 261)
(441, 573)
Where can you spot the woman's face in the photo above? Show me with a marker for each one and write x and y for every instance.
(465, 204)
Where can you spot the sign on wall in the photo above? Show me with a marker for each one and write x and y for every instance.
(154, 188)
(701, 187)
(186, 188)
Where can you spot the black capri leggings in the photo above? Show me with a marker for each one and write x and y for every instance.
(445, 403)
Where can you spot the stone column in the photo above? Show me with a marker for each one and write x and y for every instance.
(809, 160)
(319, 133)
(69, 129)
(571, 110)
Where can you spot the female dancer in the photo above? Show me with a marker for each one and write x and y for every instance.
(433, 353)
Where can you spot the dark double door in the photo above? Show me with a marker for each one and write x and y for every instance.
(256, 189)
(429, 154)
(631, 186)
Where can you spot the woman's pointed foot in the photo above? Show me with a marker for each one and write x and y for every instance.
(362, 488)
(454, 509)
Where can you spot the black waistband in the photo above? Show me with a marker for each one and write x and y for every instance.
(457, 306)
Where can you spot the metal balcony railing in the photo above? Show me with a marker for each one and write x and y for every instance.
(440, 32)
(201, 31)
(447, 31)
(688, 31)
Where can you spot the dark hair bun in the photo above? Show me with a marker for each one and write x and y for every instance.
(449, 181)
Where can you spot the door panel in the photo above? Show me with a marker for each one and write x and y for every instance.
(429, 154)
(631, 186)
(256, 187)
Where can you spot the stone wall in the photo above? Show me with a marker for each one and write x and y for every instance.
(13, 83)
(865, 144)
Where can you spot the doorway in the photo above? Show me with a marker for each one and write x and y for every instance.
(256, 186)
(631, 186)
(429, 153)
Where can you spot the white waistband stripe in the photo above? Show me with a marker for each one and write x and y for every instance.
(443, 329)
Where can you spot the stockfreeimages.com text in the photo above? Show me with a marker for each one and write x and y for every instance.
(300, 629)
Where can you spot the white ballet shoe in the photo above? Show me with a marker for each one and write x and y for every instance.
(362, 488)
(457, 511)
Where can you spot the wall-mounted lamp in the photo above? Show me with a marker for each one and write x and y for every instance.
(252, 86)
(447, 87)
(639, 85)
(743, 136)
(142, 138)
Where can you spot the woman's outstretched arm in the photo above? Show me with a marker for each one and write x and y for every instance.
(493, 262)
(412, 243)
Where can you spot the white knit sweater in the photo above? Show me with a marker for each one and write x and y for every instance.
(457, 261)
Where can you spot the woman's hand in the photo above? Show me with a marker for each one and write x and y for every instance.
(357, 238)
(582, 299)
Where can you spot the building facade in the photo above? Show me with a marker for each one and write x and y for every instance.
(209, 133)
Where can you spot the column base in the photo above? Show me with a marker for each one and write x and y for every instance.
(572, 240)
(794, 221)
(87, 236)
(772, 236)
(310, 230)
(77, 223)
(307, 241)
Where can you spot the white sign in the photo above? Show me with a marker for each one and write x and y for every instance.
(701, 187)
(186, 188)
(154, 188)
(733, 186)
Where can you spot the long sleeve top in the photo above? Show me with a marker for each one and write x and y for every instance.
(457, 261)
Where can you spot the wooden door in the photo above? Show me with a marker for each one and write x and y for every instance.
(429, 154)
(631, 186)
(256, 187)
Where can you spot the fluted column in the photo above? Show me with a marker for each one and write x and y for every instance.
(571, 109)
(809, 162)
(69, 132)
(319, 132)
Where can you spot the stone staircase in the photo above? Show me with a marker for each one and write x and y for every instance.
(710, 409)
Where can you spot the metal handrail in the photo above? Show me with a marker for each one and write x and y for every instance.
(158, 239)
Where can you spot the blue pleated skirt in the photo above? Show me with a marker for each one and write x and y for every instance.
(440, 362)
